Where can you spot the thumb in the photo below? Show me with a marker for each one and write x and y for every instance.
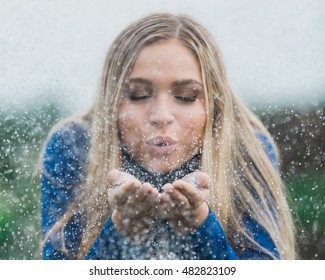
(117, 177)
(198, 179)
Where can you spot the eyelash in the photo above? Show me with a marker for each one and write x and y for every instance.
(134, 97)
(186, 99)
(134, 94)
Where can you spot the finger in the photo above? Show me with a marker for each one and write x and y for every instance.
(173, 203)
(120, 195)
(165, 206)
(177, 198)
(198, 179)
(152, 191)
(145, 193)
(117, 177)
(194, 195)
(148, 205)
(140, 202)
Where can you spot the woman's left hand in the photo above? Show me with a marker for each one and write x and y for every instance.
(183, 202)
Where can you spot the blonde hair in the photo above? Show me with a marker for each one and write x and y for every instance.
(243, 179)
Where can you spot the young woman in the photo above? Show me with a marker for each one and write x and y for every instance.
(168, 164)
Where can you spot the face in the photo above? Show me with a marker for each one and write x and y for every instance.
(161, 117)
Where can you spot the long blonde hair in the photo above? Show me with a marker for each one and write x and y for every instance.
(243, 179)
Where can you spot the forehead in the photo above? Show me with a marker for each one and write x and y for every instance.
(167, 58)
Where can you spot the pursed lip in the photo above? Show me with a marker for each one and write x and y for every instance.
(161, 141)
(161, 144)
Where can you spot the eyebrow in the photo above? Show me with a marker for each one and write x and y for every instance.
(139, 80)
(186, 82)
(174, 84)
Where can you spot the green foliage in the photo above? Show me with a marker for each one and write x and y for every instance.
(307, 191)
(300, 136)
(22, 132)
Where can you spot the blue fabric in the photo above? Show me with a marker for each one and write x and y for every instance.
(63, 172)
(268, 148)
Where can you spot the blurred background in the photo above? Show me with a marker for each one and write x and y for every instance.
(51, 55)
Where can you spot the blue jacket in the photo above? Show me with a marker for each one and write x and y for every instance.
(63, 172)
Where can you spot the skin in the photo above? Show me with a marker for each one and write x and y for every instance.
(161, 123)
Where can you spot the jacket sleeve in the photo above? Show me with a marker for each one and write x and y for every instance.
(209, 241)
(61, 175)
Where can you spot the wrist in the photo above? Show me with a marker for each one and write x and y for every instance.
(201, 215)
(116, 219)
(184, 226)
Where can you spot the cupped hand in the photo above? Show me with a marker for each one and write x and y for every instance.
(133, 203)
(183, 202)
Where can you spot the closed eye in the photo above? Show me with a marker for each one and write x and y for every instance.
(186, 93)
(137, 91)
(186, 98)
(138, 96)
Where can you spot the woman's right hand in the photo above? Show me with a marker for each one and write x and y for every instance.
(133, 205)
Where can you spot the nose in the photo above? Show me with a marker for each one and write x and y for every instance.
(161, 112)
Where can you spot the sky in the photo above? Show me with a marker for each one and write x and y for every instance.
(274, 50)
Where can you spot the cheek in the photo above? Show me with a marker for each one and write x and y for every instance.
(128, 135)
(194, 126)
(130, 125)
(124, 122)
(126, 114)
